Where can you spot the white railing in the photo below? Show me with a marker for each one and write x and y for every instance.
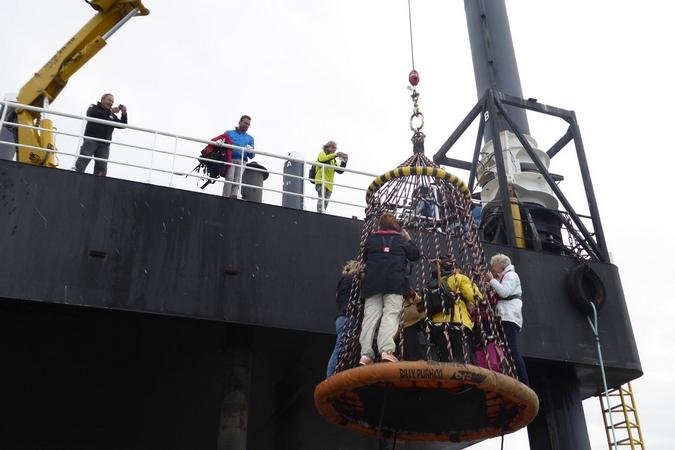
(164, 158)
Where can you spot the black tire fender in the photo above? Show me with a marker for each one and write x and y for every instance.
(584, 286)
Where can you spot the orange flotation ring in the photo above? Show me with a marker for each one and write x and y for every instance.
(426, 401)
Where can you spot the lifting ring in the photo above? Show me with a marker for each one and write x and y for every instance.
(414, 115)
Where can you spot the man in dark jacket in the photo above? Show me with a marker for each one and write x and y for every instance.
(386, 255)
(344, 288)
(102, 110)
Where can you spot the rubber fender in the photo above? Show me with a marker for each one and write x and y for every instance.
(584, 287)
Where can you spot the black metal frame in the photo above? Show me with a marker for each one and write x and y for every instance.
(491, 108)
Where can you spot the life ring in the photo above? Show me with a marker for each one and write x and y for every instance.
(426, 401)
(584, 287)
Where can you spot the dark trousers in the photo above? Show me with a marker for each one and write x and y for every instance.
(511, 331)
(412, 349)
(96, 149)
(459, 343)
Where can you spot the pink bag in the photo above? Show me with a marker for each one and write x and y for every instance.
(494, 353)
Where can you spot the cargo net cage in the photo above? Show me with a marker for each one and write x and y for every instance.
(472, 391)
(434, 207)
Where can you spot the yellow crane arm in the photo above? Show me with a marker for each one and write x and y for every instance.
(48, 82)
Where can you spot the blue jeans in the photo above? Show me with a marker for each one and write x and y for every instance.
(425, 208)
(340, 322)
(511, 331)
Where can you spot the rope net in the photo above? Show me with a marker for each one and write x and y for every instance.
(435, 207)
(464, 387)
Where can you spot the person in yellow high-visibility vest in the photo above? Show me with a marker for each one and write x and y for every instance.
(461, 295)
(324, 175)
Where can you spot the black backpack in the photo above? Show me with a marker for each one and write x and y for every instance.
(436, 296)
(211, 168)
(312, 174)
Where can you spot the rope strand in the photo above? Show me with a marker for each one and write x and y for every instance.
(412, 48)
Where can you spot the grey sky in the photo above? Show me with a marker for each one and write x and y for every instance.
(310, 71)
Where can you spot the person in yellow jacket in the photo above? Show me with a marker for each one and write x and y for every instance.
(461, 295)
(323, 182)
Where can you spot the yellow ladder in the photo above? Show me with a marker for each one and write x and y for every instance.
(619, 403)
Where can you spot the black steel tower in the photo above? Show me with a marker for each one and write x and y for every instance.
(533, 218)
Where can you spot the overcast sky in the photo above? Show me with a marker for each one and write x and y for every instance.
(312, 70)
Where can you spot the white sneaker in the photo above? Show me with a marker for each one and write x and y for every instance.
(388, 357)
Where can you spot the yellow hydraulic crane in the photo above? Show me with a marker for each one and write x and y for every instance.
(47, 83)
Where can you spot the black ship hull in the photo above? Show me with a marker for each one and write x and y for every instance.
(141, 317)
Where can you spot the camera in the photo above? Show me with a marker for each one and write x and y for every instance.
(120, 106)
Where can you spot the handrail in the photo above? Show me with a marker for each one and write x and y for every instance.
(168, 134)
(189, 156)
(173, 152)
(201, 177)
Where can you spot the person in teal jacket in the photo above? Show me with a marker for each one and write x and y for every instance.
(325, 175)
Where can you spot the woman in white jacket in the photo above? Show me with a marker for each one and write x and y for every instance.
(505, 282)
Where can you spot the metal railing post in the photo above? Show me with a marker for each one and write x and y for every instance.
(80, 140)
(241, 173)
(152, 156)
(323, 190)
(7, 151)
(4, 113)
(173, 161)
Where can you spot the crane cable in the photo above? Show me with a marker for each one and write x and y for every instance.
(412, 47)
(417, 118)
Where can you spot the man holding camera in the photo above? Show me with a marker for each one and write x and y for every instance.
(325, 175)
(99, 147)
